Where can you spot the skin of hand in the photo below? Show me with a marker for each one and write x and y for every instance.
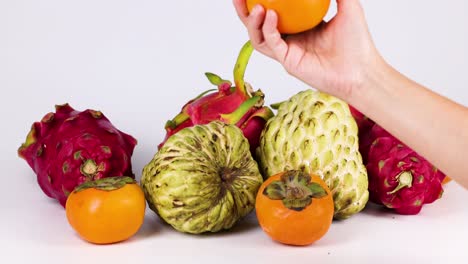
(339, 57)
(333, 56)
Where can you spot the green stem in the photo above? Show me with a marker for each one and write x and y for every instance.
(405, 179)
(176, 121)
(234, 117)
(181, 117)
(241, 65)
(215, 79)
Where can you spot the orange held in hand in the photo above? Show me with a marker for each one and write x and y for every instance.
(295, 208)
(106, 211)
(295, 16)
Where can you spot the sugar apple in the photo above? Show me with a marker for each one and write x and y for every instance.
(315, 132)
(204, 178)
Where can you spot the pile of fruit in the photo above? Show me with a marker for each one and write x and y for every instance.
(225, 155)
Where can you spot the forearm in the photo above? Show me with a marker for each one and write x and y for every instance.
(434, 126)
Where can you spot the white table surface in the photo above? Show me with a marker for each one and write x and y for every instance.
(34, 227)
(139, 62)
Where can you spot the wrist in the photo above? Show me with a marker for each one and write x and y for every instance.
(371, 86)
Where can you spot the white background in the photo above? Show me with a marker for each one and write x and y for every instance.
(140, 61)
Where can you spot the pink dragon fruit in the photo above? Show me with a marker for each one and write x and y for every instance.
(363, 122)
(399, 178)
(364, 127)
(68, 148)
(238, 105)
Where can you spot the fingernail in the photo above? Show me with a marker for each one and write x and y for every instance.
(271, 12)
(257, 9)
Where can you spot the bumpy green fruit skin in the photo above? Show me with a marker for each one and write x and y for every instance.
(203, 179)
(315, 132)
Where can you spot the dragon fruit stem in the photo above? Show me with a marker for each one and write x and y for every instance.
(405, 179)
(236, 116)
(239, 69)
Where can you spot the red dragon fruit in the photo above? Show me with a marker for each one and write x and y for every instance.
(68, 148)
(238, 105)
(364, 128)
(399, 178)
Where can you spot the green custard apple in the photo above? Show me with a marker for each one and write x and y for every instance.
(204, 178)
(315, 132)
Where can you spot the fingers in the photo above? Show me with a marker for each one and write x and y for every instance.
(254, 26)
(241, 9)
(262, 29)
(272, 37)
(340, 5)
(344, 4)
(253, 21)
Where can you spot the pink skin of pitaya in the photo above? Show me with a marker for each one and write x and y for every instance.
(238, 105)
(364, 128)
(68, 148)
(399, 178)
(363, 122)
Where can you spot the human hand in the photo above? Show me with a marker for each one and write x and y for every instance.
(333, 57)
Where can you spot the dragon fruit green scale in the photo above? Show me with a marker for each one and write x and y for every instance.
(315, 132)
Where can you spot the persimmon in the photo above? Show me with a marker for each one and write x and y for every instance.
(106, 211)
(295, 16)
(295, 208)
